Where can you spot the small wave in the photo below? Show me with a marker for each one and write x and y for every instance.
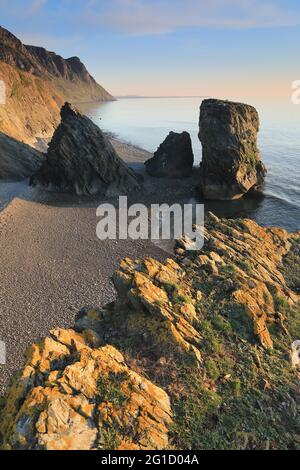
(282, 198)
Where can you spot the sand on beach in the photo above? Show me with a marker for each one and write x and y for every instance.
(52, 264)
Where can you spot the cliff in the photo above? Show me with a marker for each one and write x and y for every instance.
(37, 83)
(193, 354)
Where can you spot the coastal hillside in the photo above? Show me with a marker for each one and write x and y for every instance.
(37, 83)
(197, 352)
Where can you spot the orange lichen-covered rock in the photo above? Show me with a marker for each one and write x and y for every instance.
(194, 316)
(157, 301)
(71, 396)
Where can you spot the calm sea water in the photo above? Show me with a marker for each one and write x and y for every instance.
(9, 190)
(146, 122)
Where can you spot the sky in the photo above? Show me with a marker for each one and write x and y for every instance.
(228, 48)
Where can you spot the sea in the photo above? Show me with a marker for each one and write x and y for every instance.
(145, 122)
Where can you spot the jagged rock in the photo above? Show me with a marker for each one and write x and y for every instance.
(174, 158)
(81, 160)
(249, 257)
(158, 304)
(154, 309)
(231, 164)
(188, 327)
(47, 65)
(71, 396)
(18, 160)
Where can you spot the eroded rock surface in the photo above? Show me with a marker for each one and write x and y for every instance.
(174, 157)
(81, 160)
(231, 164)
(37, 84)
(72, 395)
(189, 344)
(242, 260)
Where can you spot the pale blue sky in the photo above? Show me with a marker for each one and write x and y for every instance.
(170, 47)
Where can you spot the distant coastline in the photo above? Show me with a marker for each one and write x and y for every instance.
(130, 97)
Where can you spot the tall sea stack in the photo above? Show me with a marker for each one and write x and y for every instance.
(231, 165)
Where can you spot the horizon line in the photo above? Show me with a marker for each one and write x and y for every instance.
(159, 96)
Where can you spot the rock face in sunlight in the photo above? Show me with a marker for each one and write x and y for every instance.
(188, 345)
(38, 82)
(174, 158)
(78, 397)
(18, 160)
(231, 164)
(81, 160)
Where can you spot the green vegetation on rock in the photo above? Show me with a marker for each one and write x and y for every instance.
(206, 338)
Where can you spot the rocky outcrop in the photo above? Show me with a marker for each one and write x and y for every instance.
(73, 396)
(159, 290)
(231, 165)
(18, 160)
(174, 158)
(41, 63)
(243, 260)
(81, 160)
(194, 353)
(38, 82)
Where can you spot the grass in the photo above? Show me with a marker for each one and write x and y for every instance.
(109, 389)
(291, 266)
(181, 299)
(243, 397)
(110, 439)
(229, 269)
(39, 85)
(25, 80)
(170, 287)
(239, 412)
(191, 415)
(281, 304)
(15, 92)
(246, 267)
(172, 290)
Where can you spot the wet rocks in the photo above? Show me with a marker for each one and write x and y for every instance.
(174, 158)
(231, 165)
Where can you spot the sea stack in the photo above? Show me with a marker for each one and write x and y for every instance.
(81, 160)
(231, 164)
(174, 158)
